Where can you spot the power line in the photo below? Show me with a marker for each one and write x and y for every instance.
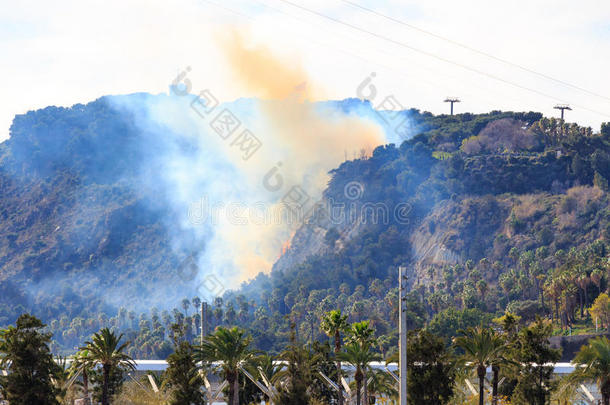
(376, 62)
(397, 71)
(401, 44)
(438, 57)
(471, 49)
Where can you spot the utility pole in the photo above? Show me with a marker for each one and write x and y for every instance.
(562, 107)
(452, 100)
(402, 331)
(204, 311)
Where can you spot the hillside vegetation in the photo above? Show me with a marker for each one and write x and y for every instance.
(490, 212)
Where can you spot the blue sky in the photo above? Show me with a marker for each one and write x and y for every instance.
(67, 51)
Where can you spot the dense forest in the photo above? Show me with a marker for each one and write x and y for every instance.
(491, 213)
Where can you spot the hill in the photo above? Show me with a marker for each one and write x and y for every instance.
(510, 225)
(489, 212)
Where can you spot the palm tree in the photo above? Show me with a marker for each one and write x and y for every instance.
(267, 371)
(104, 350)
(81, 364)
(186, 304)
(333, 323)
(296, 378)
(382, 384)
(359, 356)
(566, 391)
(482, 347)
(231, 347)
(593, 363)
(362, 334)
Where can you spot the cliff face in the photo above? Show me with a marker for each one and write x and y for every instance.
(429, 249)
(307, 241)
(449, 234)
(470, 228)
(455, 231)
(312, 237)
(431, 242)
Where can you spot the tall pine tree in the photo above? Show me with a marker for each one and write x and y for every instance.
(26, 355)
(183, 376)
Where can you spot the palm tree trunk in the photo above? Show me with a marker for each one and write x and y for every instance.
(586, 294)
(106, 383)
(358, 378)
(311, 324)
(365, 397)
(231, 380)
(540, 384)
(494, 383)
(236, 392)
(581, 302)
(86, 386)
(605, 389)
(481, 373)
(337, 350)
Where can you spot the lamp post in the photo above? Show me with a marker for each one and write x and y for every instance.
(402, 331)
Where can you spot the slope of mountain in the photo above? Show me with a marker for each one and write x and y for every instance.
(75, 220)
(490, 211)
(519, 222)
(87, 220)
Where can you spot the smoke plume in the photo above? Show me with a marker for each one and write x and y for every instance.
(231, 207)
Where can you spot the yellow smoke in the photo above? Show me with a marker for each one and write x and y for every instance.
(309, 142)
(260, 73)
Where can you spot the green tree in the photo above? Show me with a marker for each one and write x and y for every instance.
(593, 364)
(82, 365)
(232, 348)
(105, 350)
(333, 324)
(186, 304)
(534, 352)
(362, 334)
(325, 363)
(359, 356)
(601, 309)
(25, 354)
(298, 375)
(381, 384)
(430, 369)
(183, 376)
(566, 392)
(449, 322)
(60, 379)
(196, 303)
(482, 348)
(265, 369)
(115, 379)
(509, 323)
